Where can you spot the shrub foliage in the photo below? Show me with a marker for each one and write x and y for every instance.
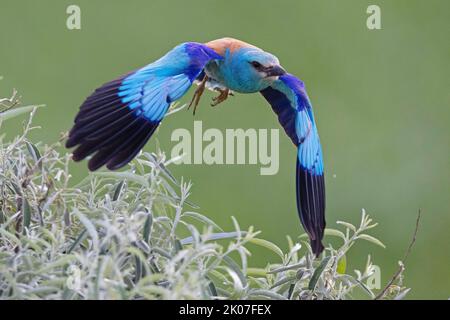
(134, 235)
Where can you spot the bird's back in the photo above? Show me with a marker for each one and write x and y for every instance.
(221, 45)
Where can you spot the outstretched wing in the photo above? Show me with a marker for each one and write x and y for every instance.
(289, 101)
(118, 118)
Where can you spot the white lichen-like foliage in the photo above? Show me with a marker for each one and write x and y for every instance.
(134, 235)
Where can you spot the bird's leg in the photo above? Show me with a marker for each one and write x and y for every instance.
(198, 94)
(224, 93)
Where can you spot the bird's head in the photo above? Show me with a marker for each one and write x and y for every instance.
(264, 64)
(256, 69)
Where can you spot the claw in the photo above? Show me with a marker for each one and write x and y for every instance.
(221, 97)
(198, 94)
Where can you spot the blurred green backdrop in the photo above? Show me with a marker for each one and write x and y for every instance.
(381, 100)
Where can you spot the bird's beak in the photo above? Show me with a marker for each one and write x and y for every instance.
(275, 71)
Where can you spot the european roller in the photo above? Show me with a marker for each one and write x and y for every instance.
(117, 119)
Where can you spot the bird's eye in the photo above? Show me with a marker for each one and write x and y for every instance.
(256, 64)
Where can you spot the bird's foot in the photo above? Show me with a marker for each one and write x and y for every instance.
(198, 94)
(224, 93)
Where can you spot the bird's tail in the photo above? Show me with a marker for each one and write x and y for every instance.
(311, 205)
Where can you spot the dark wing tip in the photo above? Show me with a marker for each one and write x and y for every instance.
(317, 247)
(311, 205)
(107, 128)
(69, 143)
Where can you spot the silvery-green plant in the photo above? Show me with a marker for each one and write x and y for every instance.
(134, 235)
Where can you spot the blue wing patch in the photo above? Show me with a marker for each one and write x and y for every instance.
(290, 102)
(117, 120)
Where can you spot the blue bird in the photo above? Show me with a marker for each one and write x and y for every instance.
(117, 119)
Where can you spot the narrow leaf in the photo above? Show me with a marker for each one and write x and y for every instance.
(34, 152)
(402, 294)
(26, 211)
(216, 236)
(283, 281)
(123, 175)
(268, 245)
(118, 190)
(347, 225)
(234, 266)
(77, 241)
(202, 218)
(17, 112)
(328, 232)
(317, 273)
(147, 228)
(371, 239)
(342, 265)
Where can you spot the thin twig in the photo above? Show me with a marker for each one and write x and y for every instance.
(9, 103)
(401, 263)
(414, 237)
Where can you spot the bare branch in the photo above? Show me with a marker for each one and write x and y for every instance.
(401, 263)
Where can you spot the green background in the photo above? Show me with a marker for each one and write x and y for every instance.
(381, 101)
